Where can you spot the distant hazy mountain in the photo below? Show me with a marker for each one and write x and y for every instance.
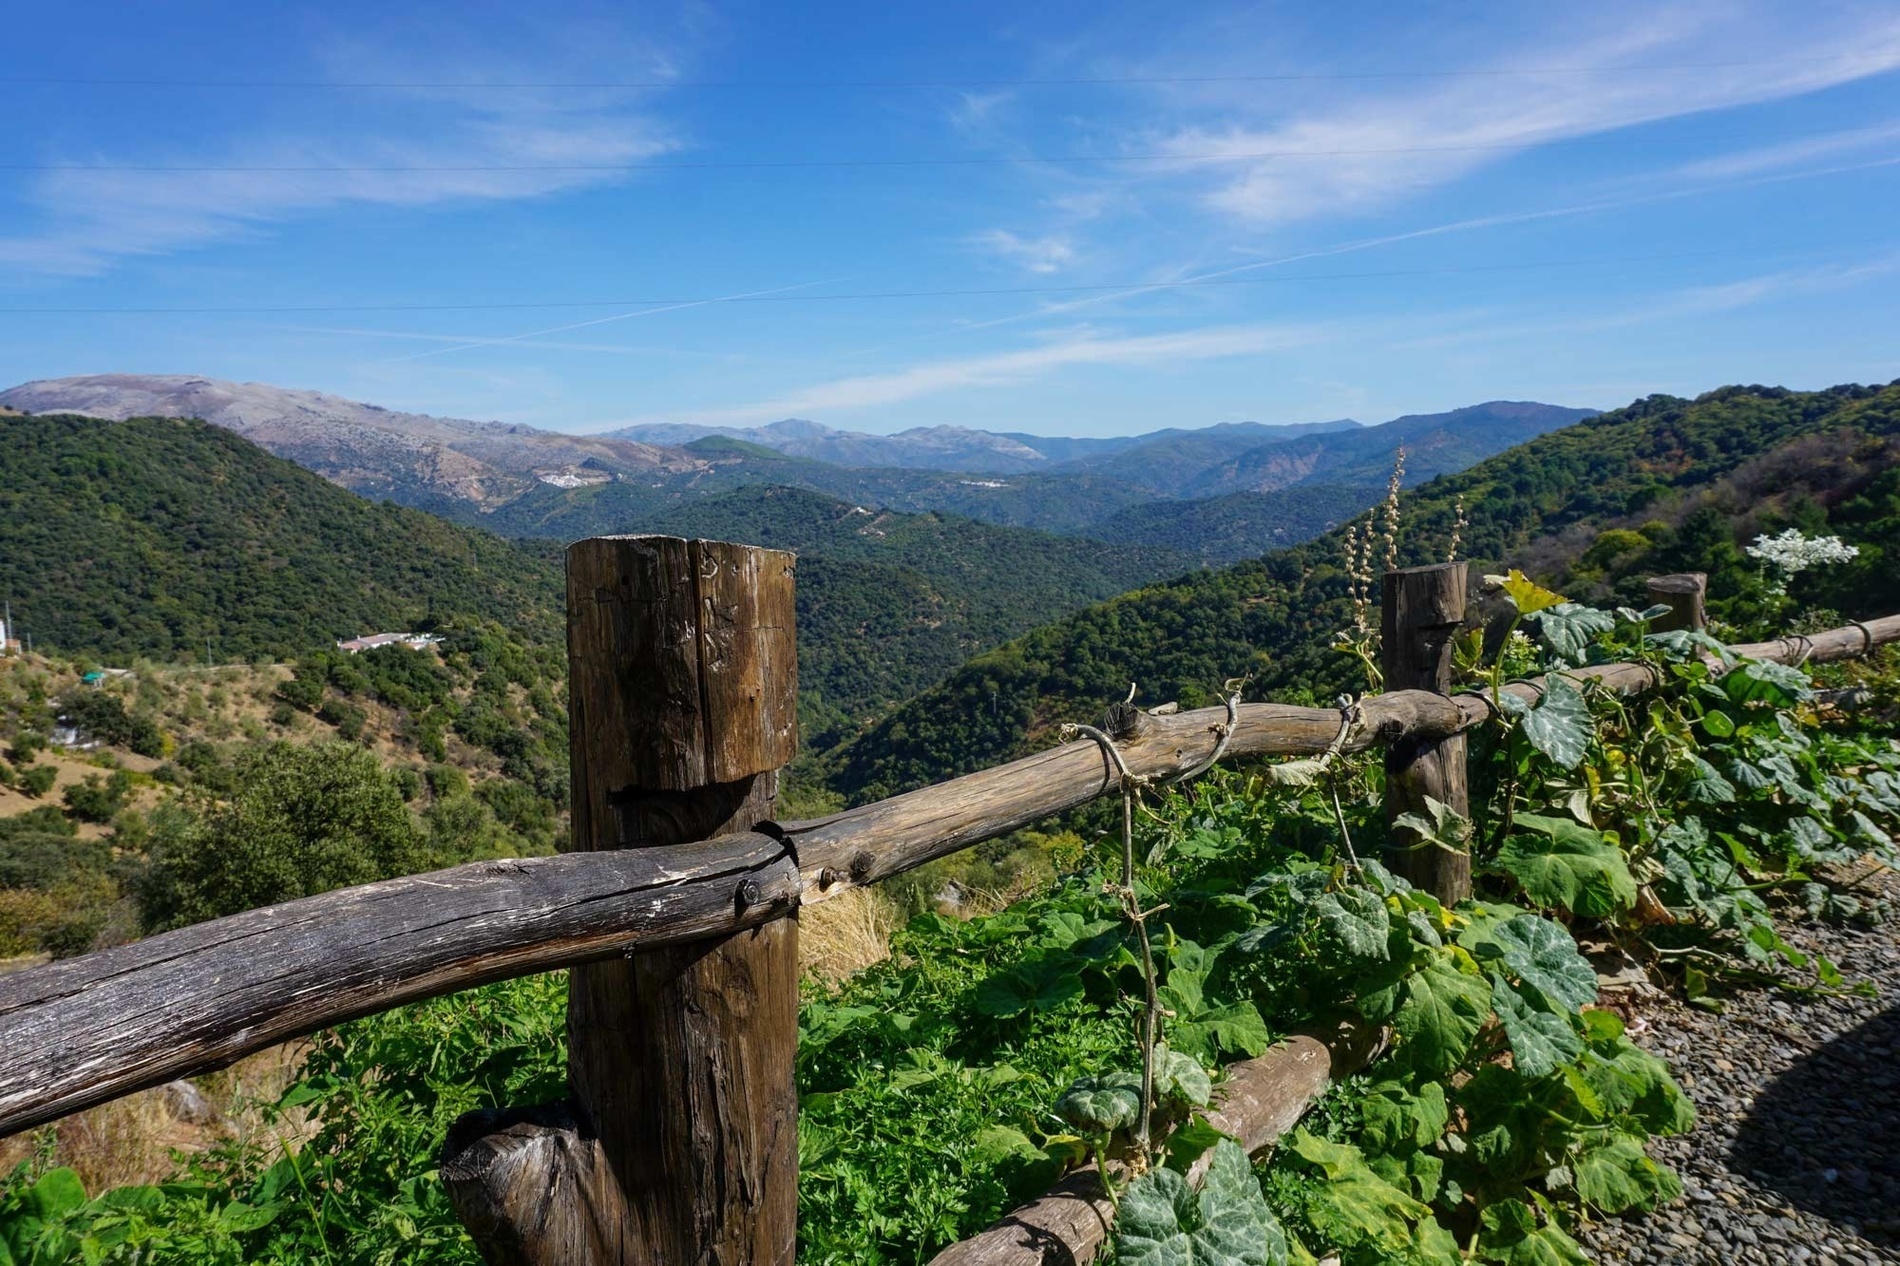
(921, 448)
(409, 457)
(1434, 443)
(960, 448)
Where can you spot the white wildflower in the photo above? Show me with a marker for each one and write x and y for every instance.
(1792, 553)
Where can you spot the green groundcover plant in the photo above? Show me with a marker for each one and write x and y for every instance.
(989, 1056)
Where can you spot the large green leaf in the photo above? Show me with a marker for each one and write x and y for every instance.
(1022, 1166)
(1395, 1117)
(1541, 1042)
(1543, 955)
(1633, 1083)
(1762, 681)
(1357, 920)
(1616, 1174)
(1354, 1206)
(1509, 1235)
(1235, 1029)
(1563, 864)
(1442, 1012)
(1706, 784)
(1038, 985)
(1559, 726)
(1101, 1105)
(1569, 628)
(1165, 1222)
(1181, 1077)
(1189, 966)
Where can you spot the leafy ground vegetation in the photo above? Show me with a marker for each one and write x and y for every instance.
(1678, 832)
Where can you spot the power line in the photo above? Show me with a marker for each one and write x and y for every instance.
(818, 84)
(969, 292)
(991, 161)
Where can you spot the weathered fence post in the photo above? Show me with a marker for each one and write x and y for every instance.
(1683, 594)
(679, 1143)
(1423, 608)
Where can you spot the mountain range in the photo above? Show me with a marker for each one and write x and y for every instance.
(960, 448)
(1264, 486)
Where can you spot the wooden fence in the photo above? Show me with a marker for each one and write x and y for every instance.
(675, 908)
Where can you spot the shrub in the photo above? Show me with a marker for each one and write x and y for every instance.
(445, 781)
(300, 692)
(346, 717)
(24, 914)
(93, 799)
(37, 780)
(301, 820)
(101, 716)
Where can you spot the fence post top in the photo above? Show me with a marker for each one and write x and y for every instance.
(1426, 568)
(659, 540)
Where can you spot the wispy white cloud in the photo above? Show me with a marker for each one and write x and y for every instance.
(1046, 254)
(1778, 157)
(1373, 148)
(669, 351)
(529, 335)
(1675, 305)
(442, 146)
(1013, 367)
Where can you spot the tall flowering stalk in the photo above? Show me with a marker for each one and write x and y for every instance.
(1361, 641)
(1457, 530)
(1791, 553)
(1392, 512)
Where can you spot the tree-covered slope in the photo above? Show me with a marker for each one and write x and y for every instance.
(150, 536)
(1241, 524)
(889, 603)
(1691, 480)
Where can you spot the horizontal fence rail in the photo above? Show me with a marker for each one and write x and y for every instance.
(84, 1030)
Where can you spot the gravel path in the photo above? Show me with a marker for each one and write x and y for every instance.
(1795, 1157)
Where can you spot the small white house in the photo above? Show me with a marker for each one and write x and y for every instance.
(370, 641)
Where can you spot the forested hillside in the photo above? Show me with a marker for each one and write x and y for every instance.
(150, 536)
(891, 603)
(1664, 484)
(1240, 524)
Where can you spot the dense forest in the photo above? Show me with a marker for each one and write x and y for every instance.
(1241, 524)
(1664, 484)
(154, 536)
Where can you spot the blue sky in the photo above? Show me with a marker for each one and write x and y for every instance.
(1062, 218)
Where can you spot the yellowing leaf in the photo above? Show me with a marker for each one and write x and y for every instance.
(1527, 595)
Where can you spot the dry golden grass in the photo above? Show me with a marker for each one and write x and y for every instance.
(136, 1139)
(846, 934)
